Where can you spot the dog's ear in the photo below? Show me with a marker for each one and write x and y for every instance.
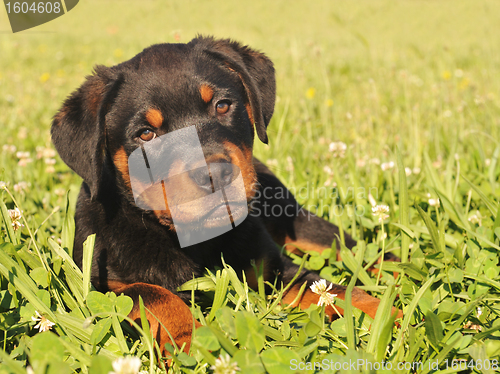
(78, 129)
(256, 72)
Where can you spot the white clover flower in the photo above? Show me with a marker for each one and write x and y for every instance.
(272, 162)
(24, 161)
(361, 163)
(21, 155)
(330, 183)
(48, 153)
(50, 161)
(375, 161)
(22, 133)
(3, 185)
(126, 365)
(476, 218)
(416, 171)
(320, 288)
(43, 323)
(407, 172)
(223, 365)
(21, 186)
(387, 165)
(434, 202)
(380, 211)
(60, 191)
(88, 321)
(327, 170)
(338, 149)
(50, 169)
(15, 217)
(10, 148)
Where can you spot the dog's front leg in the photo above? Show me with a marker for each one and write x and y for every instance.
(164, 311)
(359, 298)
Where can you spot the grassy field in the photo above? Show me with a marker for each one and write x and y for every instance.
(411, 87)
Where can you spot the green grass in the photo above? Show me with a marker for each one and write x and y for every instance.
(418, 76)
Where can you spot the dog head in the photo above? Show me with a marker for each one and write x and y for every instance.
(224, 90)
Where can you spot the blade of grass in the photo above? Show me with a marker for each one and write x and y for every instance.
(455, 215)
(224, 342)
(348, 312)
(119, 334)
(351, 263)
(492, 168)
(492, 207)
(222, 281)
(386, 332)
(23, 283)
(408, 312)
(68, 228)
(404, 207)
(433, 232)
(13, 366)
(8, 224)
(88, 252)
(431, 172)
(381, 318)
(443, 352)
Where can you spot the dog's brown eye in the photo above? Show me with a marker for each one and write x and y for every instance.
(223, 107)
(147, 135)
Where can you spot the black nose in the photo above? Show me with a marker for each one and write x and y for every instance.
(219, 175)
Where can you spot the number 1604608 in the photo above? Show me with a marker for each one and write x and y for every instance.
(35, 7)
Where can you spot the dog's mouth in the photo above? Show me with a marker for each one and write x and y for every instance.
(197, 228)
(234, 210)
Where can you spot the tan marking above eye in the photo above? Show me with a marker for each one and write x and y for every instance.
(223, 107)
(206, 92)
(154, 117)
(148, 135)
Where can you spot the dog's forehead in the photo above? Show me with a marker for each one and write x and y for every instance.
(169, 70)
(174, 61)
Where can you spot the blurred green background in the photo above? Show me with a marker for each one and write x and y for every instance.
(369, 73)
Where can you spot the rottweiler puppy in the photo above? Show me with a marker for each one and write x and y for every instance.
(224, 93)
